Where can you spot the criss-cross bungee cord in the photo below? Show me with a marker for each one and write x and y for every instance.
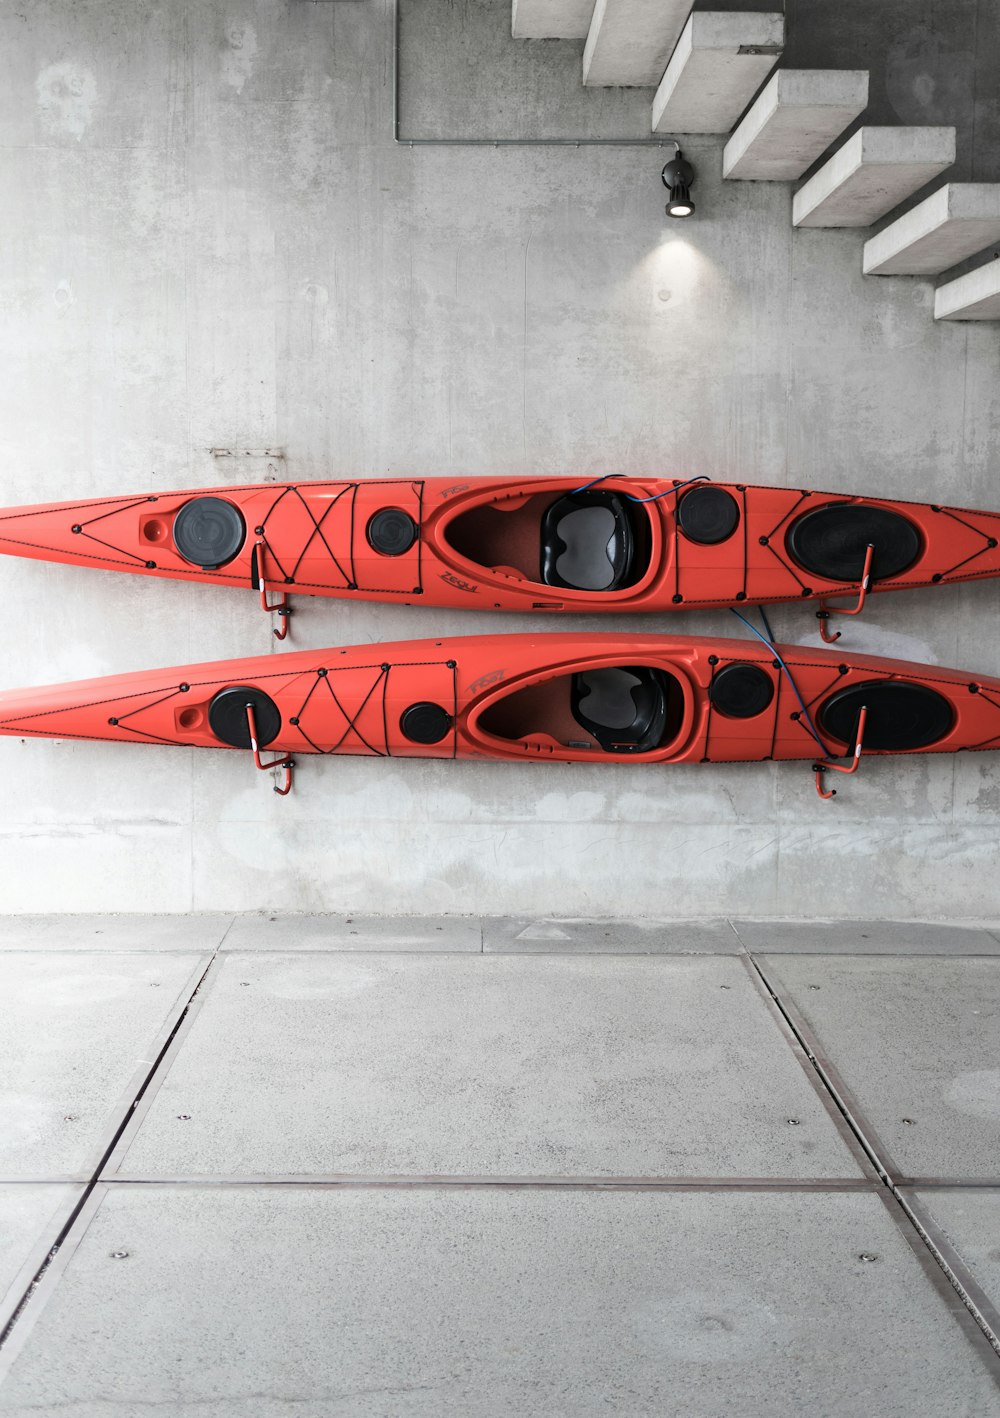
(283, 610)
(767, 639)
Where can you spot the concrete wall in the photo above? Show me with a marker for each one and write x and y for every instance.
(209, 239)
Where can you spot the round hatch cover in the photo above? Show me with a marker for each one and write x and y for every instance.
(708, 515)
(227, 716)
(741, 691)
(209, 532)
(391, 531)
(425, 722)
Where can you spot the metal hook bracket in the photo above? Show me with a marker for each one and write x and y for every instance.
(286, 762)
(827, 766)
(825, 612)
(281, 607)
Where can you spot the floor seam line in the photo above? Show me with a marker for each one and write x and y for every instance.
(874, 1150)
(724, 1184)
(95, 1179)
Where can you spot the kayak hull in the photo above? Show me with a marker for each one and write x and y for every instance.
(518, 698)
(481, 544)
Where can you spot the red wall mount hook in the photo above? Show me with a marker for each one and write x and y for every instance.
(827, 766)
(280, 607)
(286, 762)
(825, 612)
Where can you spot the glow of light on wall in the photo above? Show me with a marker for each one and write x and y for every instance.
(672, 273)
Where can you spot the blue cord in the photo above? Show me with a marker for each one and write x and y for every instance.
(701, 478)
(809, 723)
(767, 639)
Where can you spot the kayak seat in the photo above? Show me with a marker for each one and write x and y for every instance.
(587, 542)
(624, 708)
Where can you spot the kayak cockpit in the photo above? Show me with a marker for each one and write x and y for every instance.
(614, 709)
(589, 540)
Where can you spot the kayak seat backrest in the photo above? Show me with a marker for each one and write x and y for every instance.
(624, 708)
(587, 542)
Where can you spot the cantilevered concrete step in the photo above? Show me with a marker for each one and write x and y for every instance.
(551, 19)
(795, 119)
(974, 296)
(630, 41)
(950, 225)
(875, 170)
(720, 62)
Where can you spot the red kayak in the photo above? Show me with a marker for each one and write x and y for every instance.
(546, 544)
(578, 698)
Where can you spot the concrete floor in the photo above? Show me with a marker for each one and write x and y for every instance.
(357, 1167)
(213, 242)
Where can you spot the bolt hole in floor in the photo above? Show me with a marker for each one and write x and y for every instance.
(611, 709)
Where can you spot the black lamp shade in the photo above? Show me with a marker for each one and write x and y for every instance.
(678, 176)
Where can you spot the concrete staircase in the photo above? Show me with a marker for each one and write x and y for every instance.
(704, 67)
(949, 226)
(875, 170)
(794, 120)
(630, 41)
(719, 63)
(974, 296)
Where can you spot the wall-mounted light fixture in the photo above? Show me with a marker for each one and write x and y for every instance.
(678, 175)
